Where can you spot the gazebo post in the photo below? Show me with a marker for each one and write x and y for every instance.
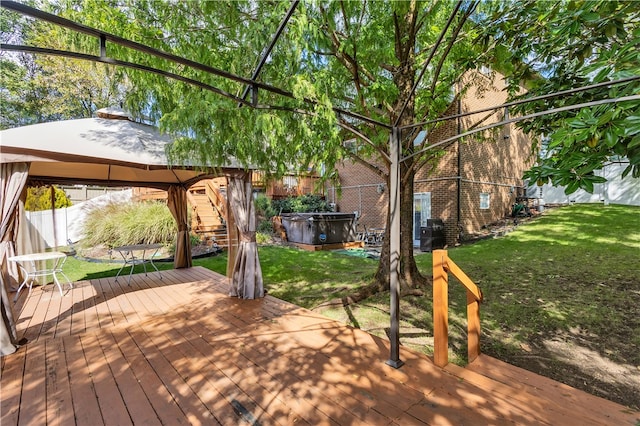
(394, 249)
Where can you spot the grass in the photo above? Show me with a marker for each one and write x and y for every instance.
(575, 270)
(301, 277)
(562, 295)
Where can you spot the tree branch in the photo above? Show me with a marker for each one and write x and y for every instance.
(368, 165)
(452, 40)
(383, 154)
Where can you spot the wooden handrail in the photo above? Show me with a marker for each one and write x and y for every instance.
(194, 207)
(442, 266)
(216, 197)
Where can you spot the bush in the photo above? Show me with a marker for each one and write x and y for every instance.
(39, 198)
(264, 207)
(265, 226)
(309, 204)
(301, 204)
(263, 238)
(282, 206)
(119, 224)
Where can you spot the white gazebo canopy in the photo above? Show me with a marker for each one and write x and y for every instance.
(107, 150)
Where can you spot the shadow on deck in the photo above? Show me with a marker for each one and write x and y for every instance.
(180, 351)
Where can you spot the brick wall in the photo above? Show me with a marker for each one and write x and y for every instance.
(362, 191)
(491, 162)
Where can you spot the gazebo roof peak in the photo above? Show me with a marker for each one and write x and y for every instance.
(114, 113)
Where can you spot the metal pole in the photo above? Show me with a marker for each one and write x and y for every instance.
(394, 248)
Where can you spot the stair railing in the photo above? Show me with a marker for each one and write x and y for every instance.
(442, 267)
(217, 199)
(195, 218)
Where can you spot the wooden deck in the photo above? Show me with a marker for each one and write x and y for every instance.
(180, 351)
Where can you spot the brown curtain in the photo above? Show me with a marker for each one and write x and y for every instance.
(246, 281)
(13, 178)
(177, 202)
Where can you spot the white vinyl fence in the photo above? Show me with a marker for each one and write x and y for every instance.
(615, 191)
(68, 221)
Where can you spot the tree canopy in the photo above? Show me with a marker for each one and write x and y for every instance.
(347, 69)
(342, 70)
(362, 57)
(38, 89)
(338, 54)
(39, 198)
(556, 46)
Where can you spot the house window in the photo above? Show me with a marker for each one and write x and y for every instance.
(484, 200)
(422, 135)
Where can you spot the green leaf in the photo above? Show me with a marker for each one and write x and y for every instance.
(632, 125)
(590, 16)
(606, 117)
(577, 124)
(572, 187)
(610, 138)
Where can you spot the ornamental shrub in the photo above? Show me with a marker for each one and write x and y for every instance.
(119, 224)
(39, 198)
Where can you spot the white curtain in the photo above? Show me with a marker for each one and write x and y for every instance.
(28, 239)
(246, 281)
(13, 178)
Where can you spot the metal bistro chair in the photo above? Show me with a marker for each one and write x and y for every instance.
(371, 236)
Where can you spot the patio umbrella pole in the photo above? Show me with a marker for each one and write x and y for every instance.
(394, 249)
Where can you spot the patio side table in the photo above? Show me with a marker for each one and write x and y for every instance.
(137, 254)
(58, 259)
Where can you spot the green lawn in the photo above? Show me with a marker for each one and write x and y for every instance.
(562, 295)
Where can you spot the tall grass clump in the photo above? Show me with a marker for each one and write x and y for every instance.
(119, 224)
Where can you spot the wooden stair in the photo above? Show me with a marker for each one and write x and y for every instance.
(563, 402)
(207, 200)
(207, 220)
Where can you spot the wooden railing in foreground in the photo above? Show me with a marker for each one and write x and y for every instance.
(442, 266)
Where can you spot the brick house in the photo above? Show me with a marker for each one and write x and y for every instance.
(474, 184)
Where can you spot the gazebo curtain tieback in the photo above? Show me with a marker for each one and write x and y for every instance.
(247, 237)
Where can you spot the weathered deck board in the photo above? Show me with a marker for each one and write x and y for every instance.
(59, 402)
(140, 408)
(33, 398)
(178, 350)
(86, 407)
(11, 389)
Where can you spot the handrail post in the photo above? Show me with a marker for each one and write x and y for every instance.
(440, 309)
(473, 327)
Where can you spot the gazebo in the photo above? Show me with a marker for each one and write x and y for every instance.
(113, 150)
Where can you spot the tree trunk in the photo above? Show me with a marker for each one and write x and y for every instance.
(404, 79)
(410, 277)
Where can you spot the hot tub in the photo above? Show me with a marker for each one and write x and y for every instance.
(320, 228)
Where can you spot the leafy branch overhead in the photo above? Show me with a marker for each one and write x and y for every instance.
(353, 70)
(556, 46)
(366, 57)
